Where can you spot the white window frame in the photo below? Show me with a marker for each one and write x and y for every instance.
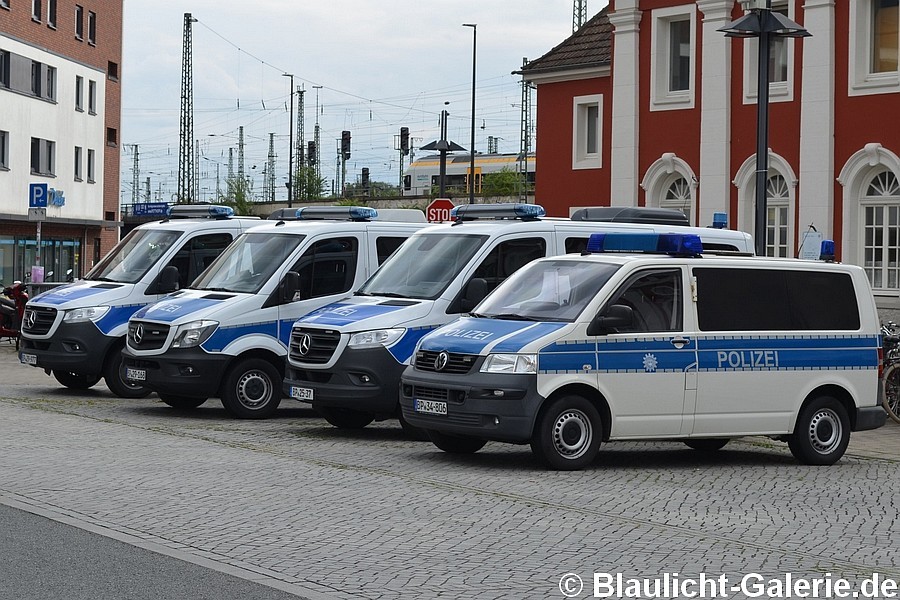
(90, 166)
(888, 203)
(92, 97)
(861, 80)
(661, 98)
(581, 157)
(780, 207)
(4, 150)
(79, 93)
(779, 91)
(36, 10)
(78, 163)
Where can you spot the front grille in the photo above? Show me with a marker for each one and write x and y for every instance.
(38, 320)
(459, 364)
(313, 346)
(147, 336)
(429, 393)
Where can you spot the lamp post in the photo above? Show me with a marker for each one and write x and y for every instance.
(290, 179)
(760, 22)
(474, 27)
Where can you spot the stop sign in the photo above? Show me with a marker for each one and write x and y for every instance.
(439, 210)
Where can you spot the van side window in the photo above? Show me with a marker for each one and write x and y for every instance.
(576, 245)
(769, 299)
(196, 254)
(327, 267)
(507, 258)
(385, 246)
(656, 299)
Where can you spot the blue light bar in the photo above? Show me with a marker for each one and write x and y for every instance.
(678, 244)
(200, 211)
(337, 213)
(510, 210)
(720, 220)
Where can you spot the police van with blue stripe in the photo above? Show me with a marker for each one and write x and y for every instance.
(76, 331)
(346, 358)
(647, 337)
(226, 335)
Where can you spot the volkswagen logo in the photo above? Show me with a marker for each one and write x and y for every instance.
(440, 362)
(28, 319)
(304, 343)
(138, 334)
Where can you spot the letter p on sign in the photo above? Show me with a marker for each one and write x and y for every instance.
(37, 195)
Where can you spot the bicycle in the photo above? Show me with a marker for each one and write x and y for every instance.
(891, 374)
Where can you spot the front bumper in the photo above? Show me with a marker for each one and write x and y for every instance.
(364, 380)
(487, 406)
(187, 372)
(75, 347)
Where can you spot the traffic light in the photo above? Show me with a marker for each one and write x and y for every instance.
(345, 144)
(311, 153)
(404, 140)
(365, 178)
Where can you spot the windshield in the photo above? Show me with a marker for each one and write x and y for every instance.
(248, 263)
(547, 290)
(134, 256)
(424, 266)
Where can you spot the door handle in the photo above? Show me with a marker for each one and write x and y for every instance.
(680, 342)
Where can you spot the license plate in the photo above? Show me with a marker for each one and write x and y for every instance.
(431, 407)
(135, 374)
(300, 393)
(28, 359)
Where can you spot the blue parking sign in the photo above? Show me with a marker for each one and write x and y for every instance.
(37, 195)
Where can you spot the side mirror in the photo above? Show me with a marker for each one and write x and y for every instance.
(168, 280)
(615, 317)
(475, 292)
(289, 286)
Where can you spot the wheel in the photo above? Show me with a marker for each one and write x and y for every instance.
(344, 418)
(411, 431)
(252, 389)
(567, 434)
(822, 432)
(181, 402)
(455, 444)
(891, 399)
(114, 375)
(707, 444)
(76, 381)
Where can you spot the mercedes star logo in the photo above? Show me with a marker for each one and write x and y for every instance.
(440, 362)
(138, 334)
(29, 319)
(304, 343)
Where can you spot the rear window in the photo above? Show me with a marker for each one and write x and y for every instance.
(772, 299)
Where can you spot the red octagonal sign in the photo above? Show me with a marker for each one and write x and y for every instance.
(439, 210)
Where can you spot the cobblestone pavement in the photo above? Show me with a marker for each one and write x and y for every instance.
(323, 513)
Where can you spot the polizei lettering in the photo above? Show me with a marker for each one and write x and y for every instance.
(472, 334)
(748, 359)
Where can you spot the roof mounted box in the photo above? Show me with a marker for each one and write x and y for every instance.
(631, 214)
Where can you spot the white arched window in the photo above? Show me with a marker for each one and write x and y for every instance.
(670, 183)
(777, 221)
(880, 220)
(678, 196)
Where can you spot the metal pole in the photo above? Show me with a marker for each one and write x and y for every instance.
(290, 179)
(762, 131)
(474, 27)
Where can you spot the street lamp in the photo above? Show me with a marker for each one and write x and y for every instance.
(290, 179)
(474, 27)
(760, 22)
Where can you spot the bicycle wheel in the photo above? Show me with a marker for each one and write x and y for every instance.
(891, 400)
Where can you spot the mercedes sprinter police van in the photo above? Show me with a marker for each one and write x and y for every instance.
(346, 358)
(77, 331)
(646, 339)
(226, 335)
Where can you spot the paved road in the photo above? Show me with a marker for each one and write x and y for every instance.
(320, 513)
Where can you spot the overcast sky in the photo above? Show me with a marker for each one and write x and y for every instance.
(382, 64)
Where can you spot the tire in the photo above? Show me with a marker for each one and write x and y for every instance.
(822, 432)
(252, 389)
(76, 381)
(455, 444)
(345, 418)
(114, 375)
(707, 444)
(181, 402)
(567, 434)
(411, 431)
(891, 399)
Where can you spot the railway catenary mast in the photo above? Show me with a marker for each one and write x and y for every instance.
(186, 125)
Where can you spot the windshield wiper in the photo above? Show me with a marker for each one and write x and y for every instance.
(384, 294)
(214, 289)
(509, 317)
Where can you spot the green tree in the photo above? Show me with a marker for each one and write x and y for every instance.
(238, 195)
(308, 185)
(503, 183)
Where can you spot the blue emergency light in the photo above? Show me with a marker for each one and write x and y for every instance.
(676, 244)
(509, 210)
(826, 251)
(199, 211)
(337, 213)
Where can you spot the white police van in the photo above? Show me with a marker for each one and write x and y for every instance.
(77, 331)
(226, 335)
(573, 351)
(347, 358)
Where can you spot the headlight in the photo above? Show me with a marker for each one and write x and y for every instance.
(510, 363)
(193, 333)
(376, 337)
(88, 313)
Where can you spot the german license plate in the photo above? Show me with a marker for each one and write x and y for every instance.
(430, 407)
(135, 374)
(301, 393)
(28, 359)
